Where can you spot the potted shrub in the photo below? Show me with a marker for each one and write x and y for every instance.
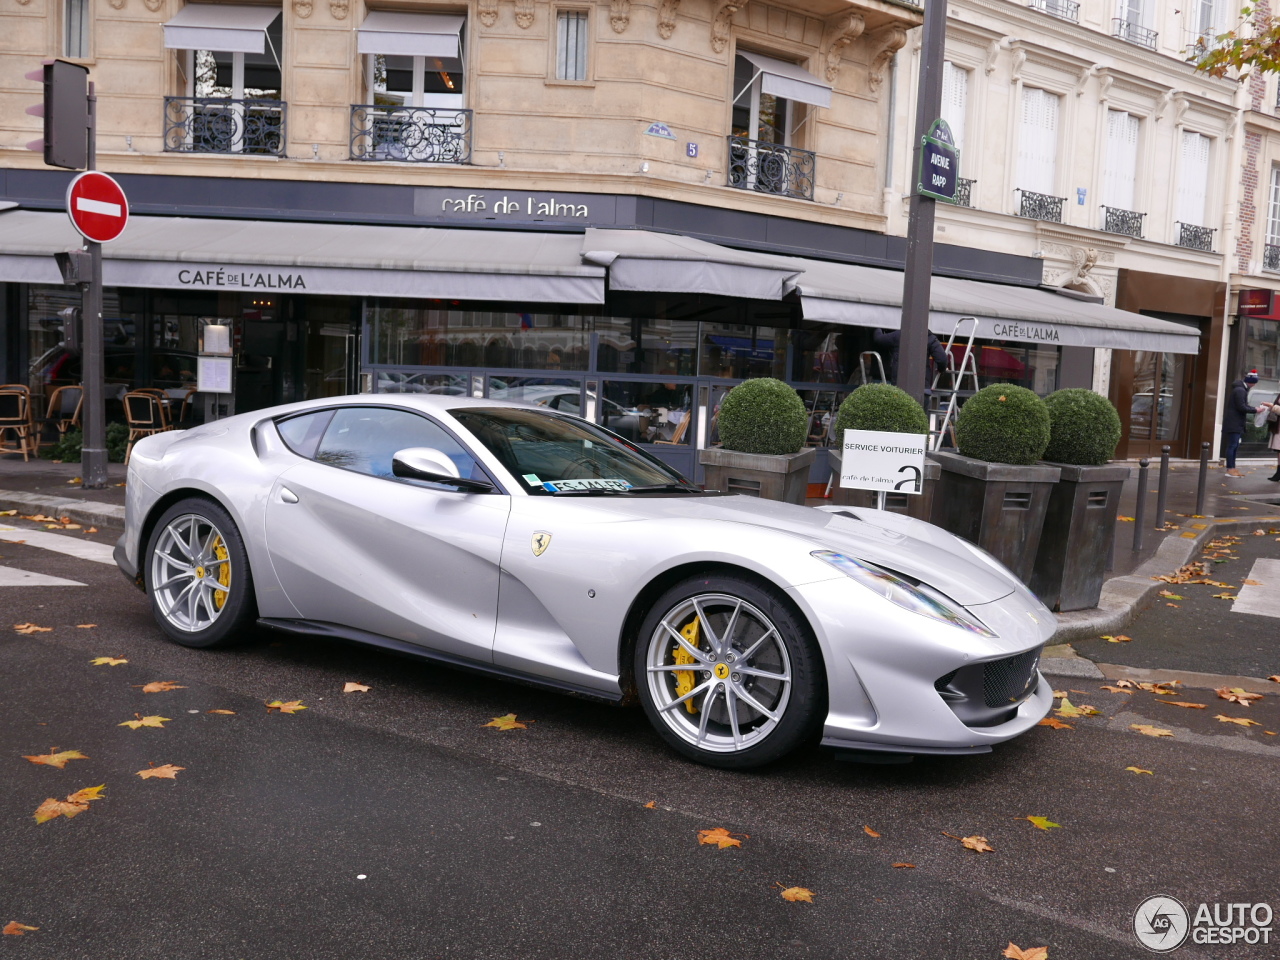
(993, 492)
(763, 425)
(1080, 523)
(882, 406)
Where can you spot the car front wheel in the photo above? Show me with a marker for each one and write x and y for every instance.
(727, 674)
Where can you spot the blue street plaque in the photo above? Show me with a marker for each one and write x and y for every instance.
(939, 172)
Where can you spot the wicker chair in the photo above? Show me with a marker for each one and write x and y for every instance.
(15, 418)
(146, 415)
(63, 413)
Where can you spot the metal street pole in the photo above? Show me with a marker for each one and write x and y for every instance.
(93, 453)
(913, 344)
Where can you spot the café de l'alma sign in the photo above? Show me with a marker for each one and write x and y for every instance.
(501, 205)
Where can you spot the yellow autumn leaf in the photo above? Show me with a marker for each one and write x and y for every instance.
(228, 713)
(651, 805)
(506, 722)
(107, 661)
(59, 760)
(797, 894)
(287, 706)
(1015, 952)
(85, 626)
(352, 687)
(13, 927)
(1150, 731)
(1242, 721)
(1118, 638)
(1056, 724)
(1069, 709)
(1112, 689)
(907, 866)
(75, 804)
(141, 721)
(1139, 770)
(1183, 703)
(29, 628)
(975, 843)
(160, 686)
(720, 837)
(1254, 583)
(1040, 823)
(869, 832)
(165, 772)
(1237, 695)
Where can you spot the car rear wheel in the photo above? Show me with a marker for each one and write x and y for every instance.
(197, 574)
(727, 674)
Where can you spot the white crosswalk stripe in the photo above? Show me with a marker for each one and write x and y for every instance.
(13, 577)
(1263, 600)
(60, 543)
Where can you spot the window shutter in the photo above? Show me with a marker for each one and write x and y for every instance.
(1121, 168)
(1038, 142)
(1194, 180)
(571, 45)
(955, 91)
(1273, 210)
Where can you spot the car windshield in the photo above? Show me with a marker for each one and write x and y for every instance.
(557, 455)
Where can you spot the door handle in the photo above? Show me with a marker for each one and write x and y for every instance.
(288, 496)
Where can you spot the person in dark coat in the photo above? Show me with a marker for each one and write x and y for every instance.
(887, 343)
(1233, 419)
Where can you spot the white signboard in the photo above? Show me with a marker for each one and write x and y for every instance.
(213, 374)
(881, 460)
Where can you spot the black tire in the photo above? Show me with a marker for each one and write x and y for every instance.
(212, 603)
(723, 729)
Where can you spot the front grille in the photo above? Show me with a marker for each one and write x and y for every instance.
(1005, 681)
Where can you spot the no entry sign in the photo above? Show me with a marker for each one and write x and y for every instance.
(97, 206)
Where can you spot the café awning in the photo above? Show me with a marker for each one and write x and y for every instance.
(788, 80)
(225, 27)
(411, 34)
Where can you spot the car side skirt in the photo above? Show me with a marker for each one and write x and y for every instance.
(859, 746)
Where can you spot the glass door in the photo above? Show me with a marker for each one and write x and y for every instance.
(1159, 407)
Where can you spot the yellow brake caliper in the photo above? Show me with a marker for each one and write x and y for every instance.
(224, 573)
(681, 656)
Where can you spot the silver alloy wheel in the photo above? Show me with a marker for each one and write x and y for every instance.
(190, 573)
(724, 684)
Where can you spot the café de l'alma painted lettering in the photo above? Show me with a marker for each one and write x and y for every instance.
(532, 206)
(1024, 331)
(241, 279)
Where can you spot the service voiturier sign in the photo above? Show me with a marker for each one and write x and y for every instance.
(881, 460)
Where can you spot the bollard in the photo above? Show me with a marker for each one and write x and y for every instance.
(1163, 488)
(1202, 483)
(1140, 512)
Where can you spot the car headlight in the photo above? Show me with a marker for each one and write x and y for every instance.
(918, 598)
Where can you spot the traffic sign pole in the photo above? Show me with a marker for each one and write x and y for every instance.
(93, 454)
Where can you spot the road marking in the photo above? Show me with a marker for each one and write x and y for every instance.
(98, 206)
(60, 543)
(13, 577)
(1264, 600)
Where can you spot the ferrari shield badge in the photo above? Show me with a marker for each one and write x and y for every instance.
(541, 540)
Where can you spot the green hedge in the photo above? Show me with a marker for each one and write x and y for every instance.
(881, 406)
(1084, 427)
(67, 449)
(763, 416)
(1003, 423)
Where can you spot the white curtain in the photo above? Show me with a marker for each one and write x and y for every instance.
(1121, 168)
(955, 93)
(1193, 182)
(1038, 142)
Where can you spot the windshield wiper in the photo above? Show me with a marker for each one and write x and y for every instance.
(665, 488)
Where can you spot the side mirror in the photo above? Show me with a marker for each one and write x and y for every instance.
(427, 463)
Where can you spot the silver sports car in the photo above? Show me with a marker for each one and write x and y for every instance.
(536, 546)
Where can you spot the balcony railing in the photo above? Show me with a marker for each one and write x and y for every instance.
(1062, 9)
(1271, 257)
(410, 134)
(1127, 222)
(1134, 33)
(1194, 237)
(1040, 206)
(771, 168)
(964, 192)
(219, 125)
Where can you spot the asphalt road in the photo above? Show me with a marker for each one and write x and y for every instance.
(393, 824)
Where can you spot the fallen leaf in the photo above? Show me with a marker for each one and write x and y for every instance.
(1237, 695)
(797, 894)
(1274, 678)
(1164, 688)
(1056, 724)
(166, 772)
(1139, 770)
(58, 760)
(142, 721)
(1126, 519)
(651, 805)
(1150, 731)
(1242, 721)
(288, 706)
(13, 927)
(909, 866)
(1253, 583)
(1170, 595)
(1116, 689)
(75, 804)
(1170, 604)
(28, 628)
(869, 832)
(1059, 693)
(720, 837)
(160, 686)
(1040, 823)
(107, 661)
(1224, 596)
(1069, 709)
(228, 713)
(8, 513)
(1259, 533)
(1118, 638)
(1182, 703)
(39, 518)
(505, 722)
(975, 843)
(1125, 684)
(352, 687)
(1015, 952)
(76, 480)
(92, 530)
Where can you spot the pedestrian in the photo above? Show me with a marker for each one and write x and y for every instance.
(1233, 418)
(1273, 431)
(887, 342)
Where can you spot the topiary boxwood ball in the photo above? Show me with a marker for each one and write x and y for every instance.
(1084, 427)
(1003, 423)
(881, 406)
(763, 416)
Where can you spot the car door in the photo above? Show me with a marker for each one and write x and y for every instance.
(353, 545)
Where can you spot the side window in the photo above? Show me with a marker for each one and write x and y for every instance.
(302, 434)
(364, 439)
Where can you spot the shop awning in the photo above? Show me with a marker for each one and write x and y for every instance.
(187, 253)
(789, 81)
(871, 297)
(639, 260)
(411, 34)
(220, 26)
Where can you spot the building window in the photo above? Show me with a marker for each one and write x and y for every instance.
(1193, 182)
(955, 94)
(1271, 251)
(1038, 142)
(571, 45)
(1202, 23)
(1121, 169)
(76, 35)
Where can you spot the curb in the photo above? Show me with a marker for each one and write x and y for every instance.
(87, 512)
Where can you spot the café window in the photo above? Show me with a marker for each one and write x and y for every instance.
(76, 20)
(413, 60)
(572, 40)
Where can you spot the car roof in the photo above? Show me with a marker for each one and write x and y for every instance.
(432, 403)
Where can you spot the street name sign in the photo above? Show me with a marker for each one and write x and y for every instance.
(939, 174)
(882, 460)
(97, 206)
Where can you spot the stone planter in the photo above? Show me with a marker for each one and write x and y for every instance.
(919, 505)
(784, 478)
(999, 506)
(1079, 534)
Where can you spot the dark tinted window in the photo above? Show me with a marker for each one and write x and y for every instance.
(301, 434)
(364, 439)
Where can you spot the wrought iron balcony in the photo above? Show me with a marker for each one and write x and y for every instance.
(220, 125)
(1133, 33)
(1062, 9)
(1127, 222)
(410, 134)
(1197, 238)
(1271, 257)
(1040, 206)
(771, 168)
(964, 192)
